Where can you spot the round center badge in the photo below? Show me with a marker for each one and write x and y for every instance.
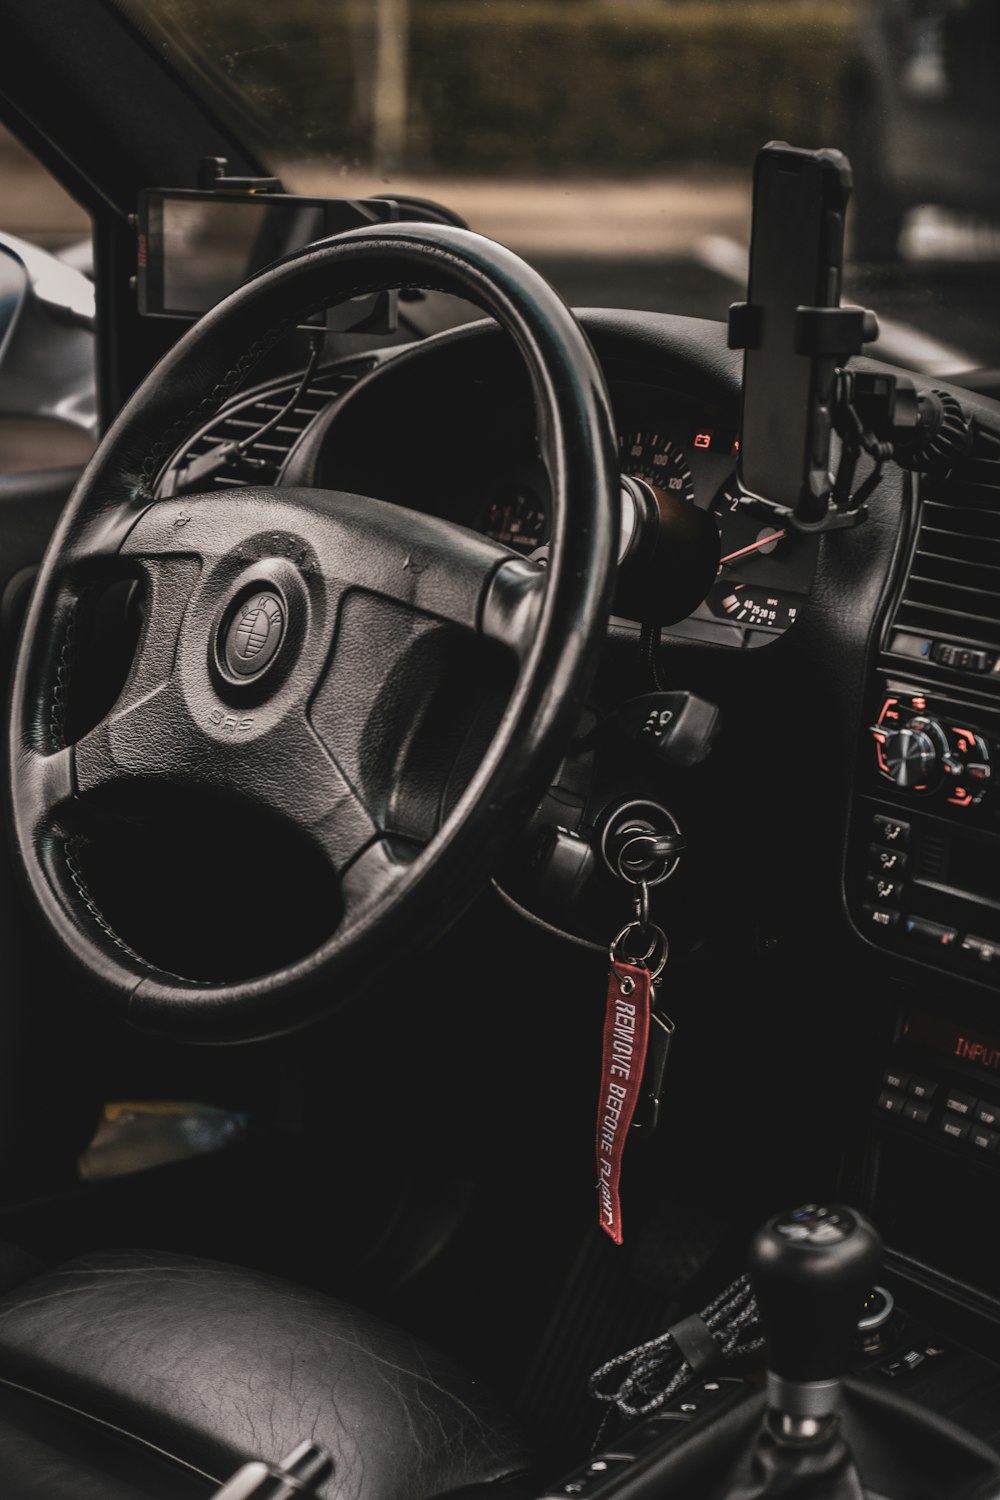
(255, 632)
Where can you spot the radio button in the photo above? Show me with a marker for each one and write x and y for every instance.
(955, 1129)
(983, 1139)
(923, 1088)
(960, 1102)
(987, 1113)
(891, 1102)
(917, 1112)
(893, 1078)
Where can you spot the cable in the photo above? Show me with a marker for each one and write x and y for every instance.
(654, 1372)
(315, 347)
(195, 473)
(559, 932)
(649, 648)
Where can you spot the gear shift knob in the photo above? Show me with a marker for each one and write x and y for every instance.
(811, 1268)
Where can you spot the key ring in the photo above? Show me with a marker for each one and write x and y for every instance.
(642, 905)
(658, 937)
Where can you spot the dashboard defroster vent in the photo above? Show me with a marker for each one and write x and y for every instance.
(248, 413)
(952, 592)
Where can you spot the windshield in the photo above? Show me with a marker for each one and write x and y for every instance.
(611, 142)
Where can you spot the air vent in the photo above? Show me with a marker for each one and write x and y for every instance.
(247, 414)
(952, 593)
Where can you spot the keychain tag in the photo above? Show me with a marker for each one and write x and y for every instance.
(626, 1033)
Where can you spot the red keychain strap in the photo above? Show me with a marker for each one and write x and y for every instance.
(626, 1033)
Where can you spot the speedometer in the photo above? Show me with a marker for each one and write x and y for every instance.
(658, 460)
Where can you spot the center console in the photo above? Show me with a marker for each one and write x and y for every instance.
(922, 886)
(835, 1407)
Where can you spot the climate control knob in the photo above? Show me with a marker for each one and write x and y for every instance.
(911, 758)
(923, 755)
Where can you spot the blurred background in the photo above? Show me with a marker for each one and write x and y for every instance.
(611, 142)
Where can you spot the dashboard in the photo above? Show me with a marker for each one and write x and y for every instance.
(464, 448)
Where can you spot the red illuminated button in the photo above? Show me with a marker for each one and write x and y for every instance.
(967, 743)
(964, 658)
(880, 737)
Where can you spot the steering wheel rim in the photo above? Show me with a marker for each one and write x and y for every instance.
(553, 620)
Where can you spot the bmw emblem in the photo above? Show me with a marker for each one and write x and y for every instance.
(254, 634)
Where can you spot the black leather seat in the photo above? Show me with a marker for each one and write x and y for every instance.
(135, 1376)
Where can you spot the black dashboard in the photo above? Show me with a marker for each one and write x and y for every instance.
(462, 445)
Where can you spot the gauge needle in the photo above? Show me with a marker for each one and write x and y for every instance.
(762, 541)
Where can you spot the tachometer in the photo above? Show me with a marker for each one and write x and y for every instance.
(658, 460)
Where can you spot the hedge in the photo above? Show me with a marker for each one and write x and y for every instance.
(503, 87)
(627, 89)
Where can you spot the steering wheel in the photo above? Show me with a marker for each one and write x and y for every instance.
(278, 631)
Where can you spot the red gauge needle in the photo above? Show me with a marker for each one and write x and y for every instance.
(763, 541)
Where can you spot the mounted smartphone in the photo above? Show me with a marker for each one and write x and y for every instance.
(796, 262)
(195, 246)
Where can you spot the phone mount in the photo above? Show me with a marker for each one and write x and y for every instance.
(834, 333)
(800, 199)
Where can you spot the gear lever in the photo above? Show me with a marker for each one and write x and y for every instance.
(810, 1268)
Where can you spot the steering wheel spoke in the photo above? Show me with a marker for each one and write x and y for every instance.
(368, 883)
(512, 605)
(48, 787)
(288, 772)
(141, 739)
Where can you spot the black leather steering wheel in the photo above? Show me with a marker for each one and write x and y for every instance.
(278, 624)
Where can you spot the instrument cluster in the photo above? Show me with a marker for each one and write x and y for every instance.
(765, 571)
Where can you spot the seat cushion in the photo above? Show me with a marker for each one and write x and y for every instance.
(213, 1365)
